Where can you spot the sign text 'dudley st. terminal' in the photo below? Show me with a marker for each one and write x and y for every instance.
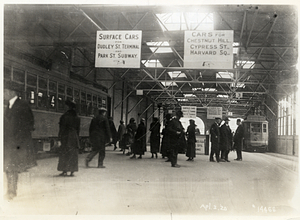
(119, 49)
(208, 49)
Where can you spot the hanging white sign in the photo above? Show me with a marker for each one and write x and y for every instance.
(189, 111)
(214, 112)
(208, 49)
(118, 49)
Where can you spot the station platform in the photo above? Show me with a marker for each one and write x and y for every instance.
(263, 185)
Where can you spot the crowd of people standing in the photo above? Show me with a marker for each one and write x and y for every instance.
(19, 122)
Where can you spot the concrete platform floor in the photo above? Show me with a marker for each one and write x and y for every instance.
(262, 185)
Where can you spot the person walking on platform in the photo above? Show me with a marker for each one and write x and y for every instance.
(154, 137)
(215, 140)
(139, 147)
(131, 130)
(165, 143)
(18, 150)
(191, 141)
(176, 132)
(113, 132)
(68, 136)
(120, 133)
(225, 140)
(238, 139)
(99, 135)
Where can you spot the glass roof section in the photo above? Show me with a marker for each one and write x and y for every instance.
(186, 21)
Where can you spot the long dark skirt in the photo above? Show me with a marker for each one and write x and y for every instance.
(191, 149)
(68, 160)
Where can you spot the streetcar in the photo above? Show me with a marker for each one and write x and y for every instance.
(255, 134)
(46, 92)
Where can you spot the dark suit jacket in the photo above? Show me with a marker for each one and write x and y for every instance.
(18, 146)
(99, 131)
(215, 136)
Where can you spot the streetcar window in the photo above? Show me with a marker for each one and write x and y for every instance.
(52, 101)
(42, 99)
(19, 75)
(103, 103)
(256, 127)
(99, 102)
(42, 83)
(264, 128)
(70, 92)
(7, 72)
(76, 94)
(60, 103)
(31, 95)
(52, 86)
(61, 89)
(31, 80)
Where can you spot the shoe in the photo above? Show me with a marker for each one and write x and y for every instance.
(72, 174)
(86, 163)
(227, 160)
(140, 157)
(9, 196)
(63, 174)
(176, 166)
(115, 148)
(188, 159)
(121, 150)
(238, 159)
(192, 160)
(222, 160)
(133, 157)
(101, 166)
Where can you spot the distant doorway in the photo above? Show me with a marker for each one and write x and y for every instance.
(198, 121)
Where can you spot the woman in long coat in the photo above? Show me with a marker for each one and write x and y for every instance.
(154, 137)
(69, 126)
(191, 141)
(140, 140)
(131, 130)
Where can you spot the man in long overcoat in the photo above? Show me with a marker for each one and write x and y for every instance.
(215, 140)
(225, 140)
(18, 145)
(139, 147)
(99, 135)
(238, 139)
(154, 137)
(177, 139)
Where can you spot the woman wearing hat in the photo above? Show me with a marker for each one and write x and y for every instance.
(69, 126)
(191, 141)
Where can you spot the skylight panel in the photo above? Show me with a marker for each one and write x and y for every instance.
(238, 85)
(223, 96)
(186, 21)
(166, 84)
(159, 47)
(224, 75)
(177, 74)
(189, 95)
(245, 64)
(182, 100)
(152, 63)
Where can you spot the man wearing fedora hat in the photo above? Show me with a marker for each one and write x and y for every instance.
(225, 140)
(99, 135)
(215, 140)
